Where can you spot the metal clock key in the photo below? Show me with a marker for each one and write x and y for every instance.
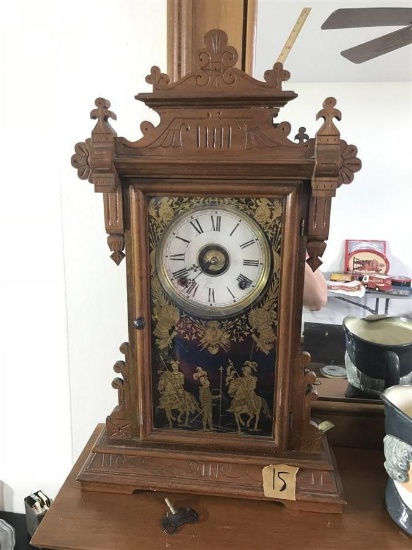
(177, 517)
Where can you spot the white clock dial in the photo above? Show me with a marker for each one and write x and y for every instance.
(213, 261)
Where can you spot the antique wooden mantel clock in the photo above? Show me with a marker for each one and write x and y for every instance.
(215, 210)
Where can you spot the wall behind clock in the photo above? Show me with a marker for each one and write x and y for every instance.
(62, 301)
(62, 298)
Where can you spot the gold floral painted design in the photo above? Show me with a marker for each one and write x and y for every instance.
(165, 315)
(214, 338)
(213, 335)
(263, 318)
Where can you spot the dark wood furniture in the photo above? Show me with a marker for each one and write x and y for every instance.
(80, 520)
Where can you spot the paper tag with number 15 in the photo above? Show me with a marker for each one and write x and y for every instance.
(279, 481)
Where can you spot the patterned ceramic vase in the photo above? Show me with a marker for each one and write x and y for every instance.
(398, 454)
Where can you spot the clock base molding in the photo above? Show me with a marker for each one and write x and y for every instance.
(123, 469)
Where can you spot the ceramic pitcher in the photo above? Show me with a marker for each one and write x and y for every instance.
(398, 454)
(378, 354)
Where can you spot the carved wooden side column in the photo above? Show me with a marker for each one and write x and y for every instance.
(94, 161)
(336, 162)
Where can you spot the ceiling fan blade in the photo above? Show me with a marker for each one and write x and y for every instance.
(379, 46)
(348, 18)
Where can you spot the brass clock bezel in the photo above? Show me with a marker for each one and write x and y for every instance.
(204, 311)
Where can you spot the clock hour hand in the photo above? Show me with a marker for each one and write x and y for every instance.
(194, 268)
(202, 269)
(185, 281)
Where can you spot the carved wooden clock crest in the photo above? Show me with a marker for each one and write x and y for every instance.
(215, 208)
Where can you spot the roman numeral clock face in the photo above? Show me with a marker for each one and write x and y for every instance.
(213, 261)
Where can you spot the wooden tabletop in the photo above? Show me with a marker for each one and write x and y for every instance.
(80, 520)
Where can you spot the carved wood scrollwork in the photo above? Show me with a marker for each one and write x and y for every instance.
(119, 423)
(215, 74)
(94, 161)
(310, 439)
(336, 163)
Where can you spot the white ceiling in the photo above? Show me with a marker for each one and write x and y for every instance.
(315, 56)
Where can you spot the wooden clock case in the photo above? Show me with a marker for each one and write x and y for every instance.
(218, 136)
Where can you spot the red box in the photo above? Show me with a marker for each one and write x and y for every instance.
(366, 256)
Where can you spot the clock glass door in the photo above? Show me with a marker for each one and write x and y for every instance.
(214, 276)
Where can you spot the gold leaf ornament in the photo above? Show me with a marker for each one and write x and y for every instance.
(214, 338)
